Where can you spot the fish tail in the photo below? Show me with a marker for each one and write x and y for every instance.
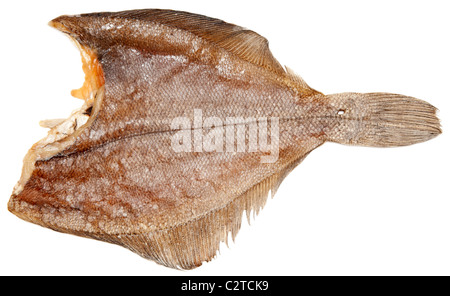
(381, 120)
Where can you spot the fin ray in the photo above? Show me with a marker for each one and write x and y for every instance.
(188, 245)
(296, 82)
(244, 43)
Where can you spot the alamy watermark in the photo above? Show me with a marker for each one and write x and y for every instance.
(229, 135)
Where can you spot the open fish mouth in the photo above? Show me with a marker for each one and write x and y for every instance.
(63, 132)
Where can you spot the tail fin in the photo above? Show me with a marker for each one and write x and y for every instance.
(382, 120)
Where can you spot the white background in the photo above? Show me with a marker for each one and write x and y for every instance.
(343, 211)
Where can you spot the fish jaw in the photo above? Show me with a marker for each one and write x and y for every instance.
(63, 132)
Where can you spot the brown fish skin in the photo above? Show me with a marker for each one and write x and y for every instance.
(115, 176)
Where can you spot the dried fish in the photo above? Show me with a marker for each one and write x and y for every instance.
(187, 122)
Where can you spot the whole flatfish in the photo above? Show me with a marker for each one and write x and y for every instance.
(187, 122)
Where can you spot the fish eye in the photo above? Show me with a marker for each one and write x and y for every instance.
(340, 112)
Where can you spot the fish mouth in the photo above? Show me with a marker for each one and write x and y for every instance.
(63, 132)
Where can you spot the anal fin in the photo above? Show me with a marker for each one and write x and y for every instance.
(188, 245)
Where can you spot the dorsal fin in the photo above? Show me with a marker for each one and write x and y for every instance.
(242, 42)
(296, 82)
